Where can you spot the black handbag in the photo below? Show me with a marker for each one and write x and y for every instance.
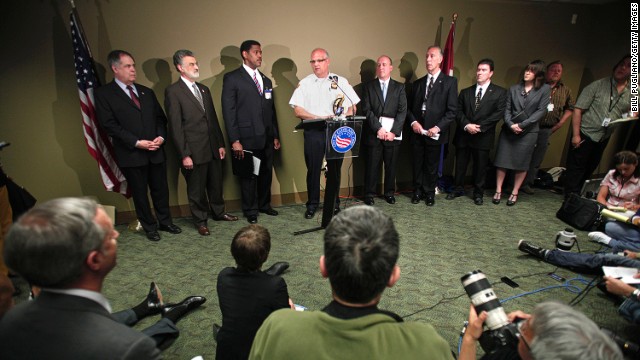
(581, 213)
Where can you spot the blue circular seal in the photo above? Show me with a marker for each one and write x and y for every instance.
(343, 139)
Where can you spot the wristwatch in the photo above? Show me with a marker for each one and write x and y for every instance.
(635, 295)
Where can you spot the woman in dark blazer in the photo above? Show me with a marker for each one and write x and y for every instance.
(527, 102)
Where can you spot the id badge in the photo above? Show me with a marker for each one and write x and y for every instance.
(550, 107)
(606, 122)
(267, 93)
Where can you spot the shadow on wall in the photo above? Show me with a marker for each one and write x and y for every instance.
(366, 73)
(291, 179)
(158, 72)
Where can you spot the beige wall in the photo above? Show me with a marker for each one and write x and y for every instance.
(39, 109)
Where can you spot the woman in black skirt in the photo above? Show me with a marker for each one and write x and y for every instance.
(527, 103)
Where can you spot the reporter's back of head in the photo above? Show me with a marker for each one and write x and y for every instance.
(48, 245)
(361, 247)
(564, 333)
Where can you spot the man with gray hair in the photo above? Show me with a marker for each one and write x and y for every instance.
(196, 134)
(67, 247)
(553, 331)
(361, 247)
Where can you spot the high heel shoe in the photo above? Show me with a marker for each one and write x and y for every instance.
(513, 198)
(496, 198)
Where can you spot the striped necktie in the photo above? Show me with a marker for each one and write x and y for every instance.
(478, 97)
(255, 80)
(196, 92)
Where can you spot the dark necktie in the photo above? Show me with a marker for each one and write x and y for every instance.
(255, 80)
(478, 97)
(133, 95)
(198, 95)
(429, 87)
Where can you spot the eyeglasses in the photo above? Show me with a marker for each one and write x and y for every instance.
(317, 61)
(520, 335)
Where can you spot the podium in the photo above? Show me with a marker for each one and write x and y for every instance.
(342, 141)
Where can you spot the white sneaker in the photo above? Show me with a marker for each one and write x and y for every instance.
(599, 237)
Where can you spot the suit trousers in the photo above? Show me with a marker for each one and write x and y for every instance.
(389, 156)
(151, 177)
(425, 166)
(256, 191)
(314, 149)
(163, 332)
(581, 162)
(538, 155)
(480, 159)
(204, 190)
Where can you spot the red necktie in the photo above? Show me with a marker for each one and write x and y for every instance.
(133, 96)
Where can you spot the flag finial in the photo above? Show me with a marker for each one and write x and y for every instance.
(454, 17)
(73, 5)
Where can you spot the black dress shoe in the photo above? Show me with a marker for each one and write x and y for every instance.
(252, 219)
(478, 200)
(171, 228)
(369, 201)
(175, 311)
(154, 300)
(277, 268)
(226, 217)
(430, 201)
(270, 212)
(416, 199)
(390, 199)
(309, 213)
(153, 236)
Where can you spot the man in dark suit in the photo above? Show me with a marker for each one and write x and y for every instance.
(384, 103)
(133, 118)
(432, 111)
(480, 107)
(67, 247)
(250, 118)
(198, 139)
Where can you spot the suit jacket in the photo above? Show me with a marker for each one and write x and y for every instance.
(59, 326)
(195, 132)
(126, 123)
(526, 112)
(248, 116)
(374, 106)
(490, 111)
(246, 299)
(442, 106)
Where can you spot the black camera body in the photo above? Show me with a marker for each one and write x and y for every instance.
(506, 336)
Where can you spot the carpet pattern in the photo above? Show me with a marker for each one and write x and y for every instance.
(438, 245)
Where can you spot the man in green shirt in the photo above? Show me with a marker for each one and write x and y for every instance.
(599, 103)
(361, 247)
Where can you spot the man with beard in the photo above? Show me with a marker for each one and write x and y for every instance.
(193, 124)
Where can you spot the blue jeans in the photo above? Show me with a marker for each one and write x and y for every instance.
(588, 263)
(621, 231)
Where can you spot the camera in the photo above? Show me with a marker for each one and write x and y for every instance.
(500, 332)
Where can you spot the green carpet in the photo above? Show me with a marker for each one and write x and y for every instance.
(438, 245)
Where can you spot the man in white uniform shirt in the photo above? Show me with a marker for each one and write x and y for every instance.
(314, 98)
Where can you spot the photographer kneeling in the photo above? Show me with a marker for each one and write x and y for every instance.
(553, 331)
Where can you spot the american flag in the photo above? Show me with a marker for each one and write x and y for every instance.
(98, 142)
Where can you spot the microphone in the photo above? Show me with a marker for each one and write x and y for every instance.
(334, 80)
